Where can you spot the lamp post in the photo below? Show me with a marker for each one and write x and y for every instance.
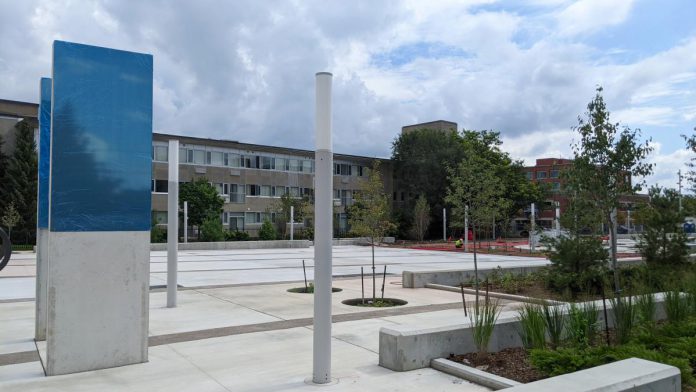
(323, 229)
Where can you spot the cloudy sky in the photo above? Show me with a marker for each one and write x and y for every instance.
(245, 70)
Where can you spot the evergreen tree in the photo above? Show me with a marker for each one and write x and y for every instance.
(3, 164)
(19, 182)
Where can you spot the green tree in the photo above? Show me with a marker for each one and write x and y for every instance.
(211, 229)
(421, 217)
(10, 218)
(282, 210)
(369, 216)
(691, 174)
(267, 231)
(420, 160)
(203, 201)
(19, 182)
(606, 158)
(474, 183)
(663, 240)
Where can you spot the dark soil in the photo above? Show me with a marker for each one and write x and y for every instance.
(379, 303)
(511, 363)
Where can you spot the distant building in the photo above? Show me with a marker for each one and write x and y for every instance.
(251, 178)
(12, 112)
(439, 125)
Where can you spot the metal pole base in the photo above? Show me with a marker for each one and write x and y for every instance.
(310, 381)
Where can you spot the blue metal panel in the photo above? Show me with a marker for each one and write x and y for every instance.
(101, 136)
(44, 151)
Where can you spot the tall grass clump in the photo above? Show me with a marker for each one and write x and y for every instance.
(483, 316)
(677, 306)
(554, 320)
(581, 326)
(624, 318)
(532, 326)
(645, 308)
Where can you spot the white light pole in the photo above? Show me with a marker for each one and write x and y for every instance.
(292, 222)
(531, 230)
(466, 228)
(185, 222)
(444, 224)
(172, 222)
(323, 229)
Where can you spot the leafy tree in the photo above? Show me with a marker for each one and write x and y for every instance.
(20, 181)
(211, 230)
(267, 231)
(663, 240)
(421, 217)
(691, 145)
(420, 160)
(10, 218)
(369, 216)
(282, 210)
(203, 201)
(606, 157)
(474, 183)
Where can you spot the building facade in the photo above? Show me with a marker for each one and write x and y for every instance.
(251, 178)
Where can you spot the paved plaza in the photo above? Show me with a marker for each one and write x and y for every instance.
(236, 328)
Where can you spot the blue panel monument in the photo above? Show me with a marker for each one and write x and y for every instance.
(99, 208)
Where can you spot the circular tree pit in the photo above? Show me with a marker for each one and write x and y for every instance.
(379, 303)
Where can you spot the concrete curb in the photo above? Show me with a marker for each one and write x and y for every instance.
(471, 374)
(511, 297)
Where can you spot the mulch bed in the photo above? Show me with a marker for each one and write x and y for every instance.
(511, 363)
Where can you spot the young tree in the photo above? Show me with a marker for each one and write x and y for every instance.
(663, 240)
(267, 231)
(421, 217)
(282, 210)
(211, 229)
(19, 182)
(475, 184)
(369, 216)
(10, 218)
(203, 201)
(607, 156)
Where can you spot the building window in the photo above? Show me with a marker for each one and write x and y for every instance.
(216, 158)
(556, 186)
(266, 190)
(233, 160)
(183, 157)
(295, 165)
(253, 190)
(530, 175)
(198, 157)
(160, 186)
(554, 173)
(236, 221)
(306, 166)
(252, 217)
(219, 188)
(267, 163)
(294, 191)
(541, 175)
(236, 193)
(160, 153)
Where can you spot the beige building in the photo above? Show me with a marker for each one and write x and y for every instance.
(251, 178)
(439, 125)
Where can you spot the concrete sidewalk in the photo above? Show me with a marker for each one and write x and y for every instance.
(277, 358)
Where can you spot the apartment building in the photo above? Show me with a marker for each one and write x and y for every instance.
(251, 178)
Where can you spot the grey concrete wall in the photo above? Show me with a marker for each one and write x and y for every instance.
(633, 374)
(418, 279)
(404, 348)
(41, 284)
(98, 296)
(236, 245)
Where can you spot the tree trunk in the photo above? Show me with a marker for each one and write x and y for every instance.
(614, 261)
(476, 277)
(374, 287)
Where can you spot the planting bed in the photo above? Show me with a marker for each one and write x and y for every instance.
(310, 290)
(511, 363)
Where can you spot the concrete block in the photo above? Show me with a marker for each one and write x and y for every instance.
(41, 283)
(474, 375)
(98, 293)
(633, 374)
(279, 244)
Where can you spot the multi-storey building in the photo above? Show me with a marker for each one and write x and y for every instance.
(251, 178)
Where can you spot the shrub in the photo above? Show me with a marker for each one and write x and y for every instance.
(158, 235)
(581, 327)
(211, 230)
(532, 326)
(267, 232)
(236, 235)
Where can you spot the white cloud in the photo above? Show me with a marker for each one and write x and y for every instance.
(589, 16)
